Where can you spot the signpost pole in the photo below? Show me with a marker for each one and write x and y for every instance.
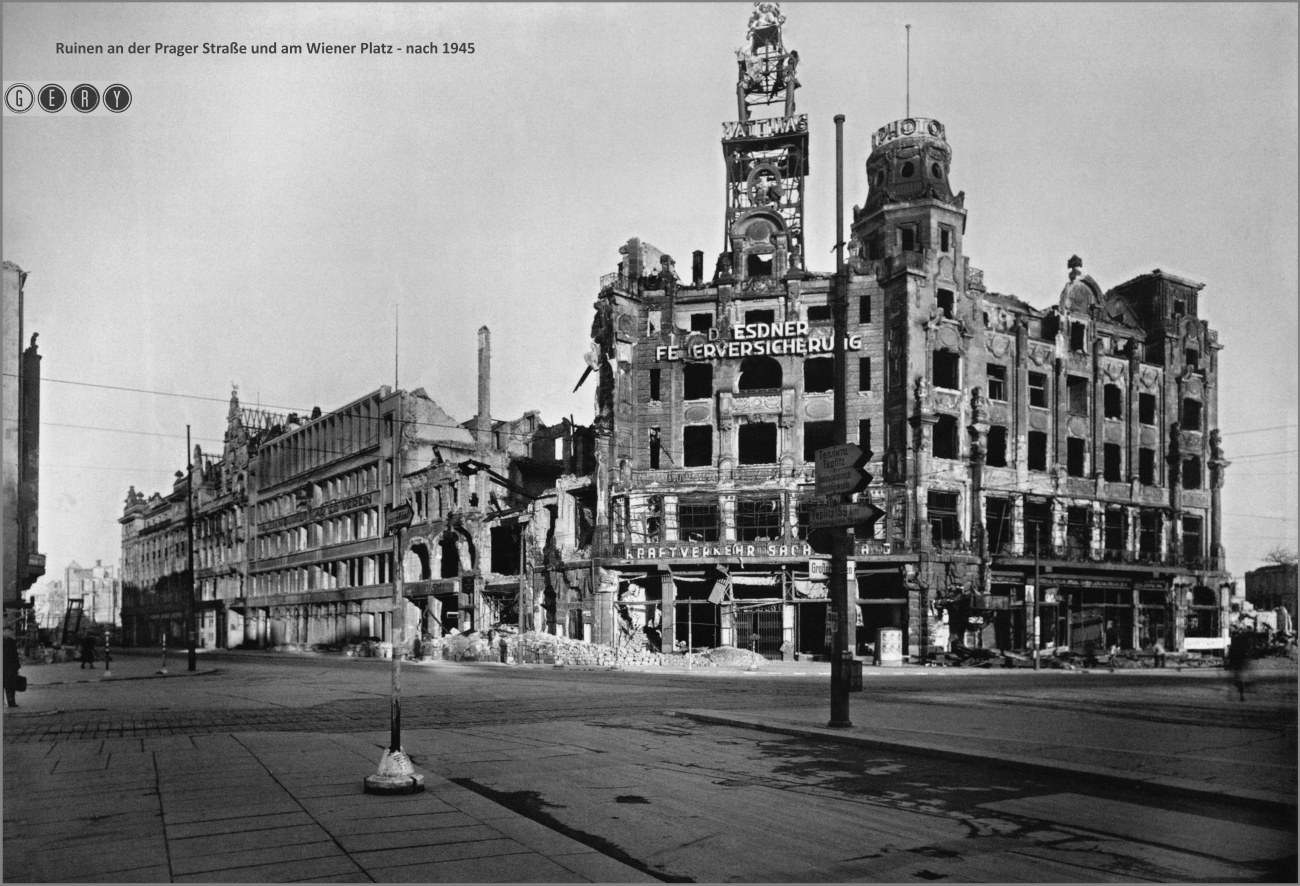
(841, 537)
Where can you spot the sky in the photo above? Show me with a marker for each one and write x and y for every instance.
(265, 220)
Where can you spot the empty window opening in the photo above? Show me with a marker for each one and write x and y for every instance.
(1191, 415)
(1111, 461)
(1180, 307)
(864, 309)
(759, 374)
(1038, 525)
(1192, 472)
(997, 523)
(1149, 532)
(698, 381)
(1075, 460)
(864, 434)
(817, 435)
(654, 449)
(941, 511)
(946, 369)
(1113, 532)
(656, 377)
(1194, 359)
(996, 456)
(819, 314)
(818, 375)
(1078, 529)
(756, 443)
(907, 239)
(945, 301)
(907, 170)
(702, 322)
(758, 265)
(1147, 409)
(1113, 401)
(654, 518)
(1147, 467)
(765, 315)
(697, 446)
(945, 235)
(1192, 549)
(1076, 387)
(697, 519)
(997, 375)
(864, 373)
(1037, 389)
(758, 519)
(945, 437)
(450, 557)
(1078, 337)
(1037, 455)
(505, 550)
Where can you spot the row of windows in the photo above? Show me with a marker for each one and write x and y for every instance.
(759, 374)
(316, 494)
(702, 321)
(947, 444)
(756, 443)
(1037, 521)
(352, 572)
(754, 518)
(349, 527)
(947, 372)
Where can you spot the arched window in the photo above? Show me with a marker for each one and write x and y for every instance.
(759, 373)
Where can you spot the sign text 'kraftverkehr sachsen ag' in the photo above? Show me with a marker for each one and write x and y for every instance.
(758, 339)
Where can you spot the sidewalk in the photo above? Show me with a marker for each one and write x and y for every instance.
(263, 807)
(1218, 760)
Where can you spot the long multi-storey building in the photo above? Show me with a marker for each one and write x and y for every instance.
(1061, 463)
(290, 536)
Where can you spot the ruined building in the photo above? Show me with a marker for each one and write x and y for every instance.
(1077, 442)
(290, 524)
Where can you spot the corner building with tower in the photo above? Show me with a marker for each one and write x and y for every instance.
(1057, 465)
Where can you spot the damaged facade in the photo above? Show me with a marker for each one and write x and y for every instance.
(1077, 443)
(291, 543)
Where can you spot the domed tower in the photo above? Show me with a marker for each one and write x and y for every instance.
(910, 203)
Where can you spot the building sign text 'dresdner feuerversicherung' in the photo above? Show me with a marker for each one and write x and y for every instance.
(759, 339)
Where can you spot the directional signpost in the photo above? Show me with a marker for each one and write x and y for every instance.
(840, 469)
(844, 515)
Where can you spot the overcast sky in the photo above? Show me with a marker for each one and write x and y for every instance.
(257, 219)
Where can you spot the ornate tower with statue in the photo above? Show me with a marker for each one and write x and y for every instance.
(766, 153)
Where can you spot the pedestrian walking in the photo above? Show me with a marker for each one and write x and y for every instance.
(1159, 651)
(12, 679)
(88, 651)
(1239, 665)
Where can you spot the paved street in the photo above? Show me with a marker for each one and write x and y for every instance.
(251, 769)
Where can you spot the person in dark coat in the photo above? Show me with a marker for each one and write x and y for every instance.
(11, 666)
(88, 651)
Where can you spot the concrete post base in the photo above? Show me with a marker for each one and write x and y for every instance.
(396, 776)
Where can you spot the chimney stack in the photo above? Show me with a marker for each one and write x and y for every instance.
(484, 421)
(697, 267)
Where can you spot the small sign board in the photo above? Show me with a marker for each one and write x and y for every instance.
(839, 469)
(851, 514)
(819, 569)
(397, 517)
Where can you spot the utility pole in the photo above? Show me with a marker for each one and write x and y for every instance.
(193, 663)
(841, 538)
